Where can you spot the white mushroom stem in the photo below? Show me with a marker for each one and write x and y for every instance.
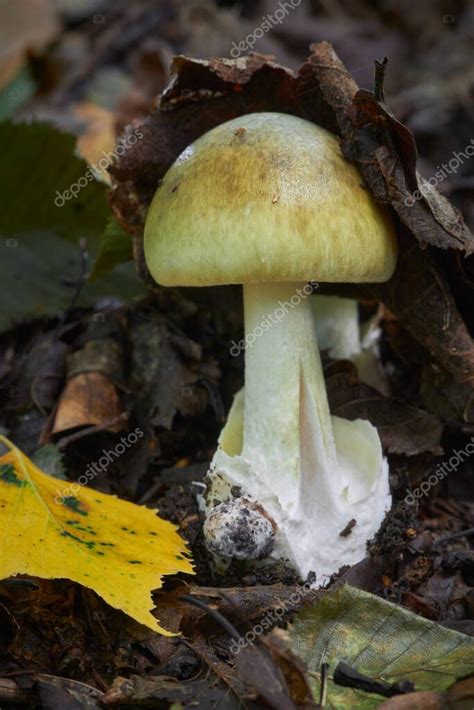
(337, 326)
(311, 473)
(286, 414)
(340, 333)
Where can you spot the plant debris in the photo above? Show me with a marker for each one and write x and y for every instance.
(92, 351)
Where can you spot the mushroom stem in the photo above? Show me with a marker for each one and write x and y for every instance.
(337, 326)
(339, 332)
(287, 423)
(288, 477)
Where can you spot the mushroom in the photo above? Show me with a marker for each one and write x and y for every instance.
(268, 201)
(339, 332)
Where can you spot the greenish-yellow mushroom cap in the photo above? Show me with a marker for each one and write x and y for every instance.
(266, 197)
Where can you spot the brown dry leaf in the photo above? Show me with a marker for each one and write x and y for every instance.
(66, 693)
(403, 429)
(461, 691)
(98, 138)
(291, 666)
(450, 400)
(225, 672)
(27, 25)
(257, 668)
(388, 166)
(89, 399)
(160, 691)
(250, 603)
(420, 296)
(167, 367)
(421, 700)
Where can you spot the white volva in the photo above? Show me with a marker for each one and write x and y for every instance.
(310, 472)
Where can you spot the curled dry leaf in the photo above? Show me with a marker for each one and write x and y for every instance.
(403, 429)
(90, 397)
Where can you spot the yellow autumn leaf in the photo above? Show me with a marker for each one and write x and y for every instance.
(118, 549)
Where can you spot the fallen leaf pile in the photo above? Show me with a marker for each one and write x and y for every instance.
(118, 549)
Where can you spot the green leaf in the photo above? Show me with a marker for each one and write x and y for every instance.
(115, 248)
(381, 640)
(40, 229)
(38, 165)
(18, 92)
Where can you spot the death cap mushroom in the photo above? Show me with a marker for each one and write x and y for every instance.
(266, 197)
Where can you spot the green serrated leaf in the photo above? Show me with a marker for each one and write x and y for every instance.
(381, 640)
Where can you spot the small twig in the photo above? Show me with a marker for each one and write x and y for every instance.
(243, 618)
(82, 278)
(12, 674)
(380, 68)
(454, 536)
(324, 684)
(217, 616)
(101, 684)
(349, 677)
(66, 440)
(214, 399)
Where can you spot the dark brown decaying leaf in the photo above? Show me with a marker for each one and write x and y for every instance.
(266, 665)
(168, 368)
(420, 296)
(385, 153)
(250, 603)
(366, 575)
(402, 428)
(208, 92)
(448, 399)
(156, 691)
(276, 673)
(66, 693)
